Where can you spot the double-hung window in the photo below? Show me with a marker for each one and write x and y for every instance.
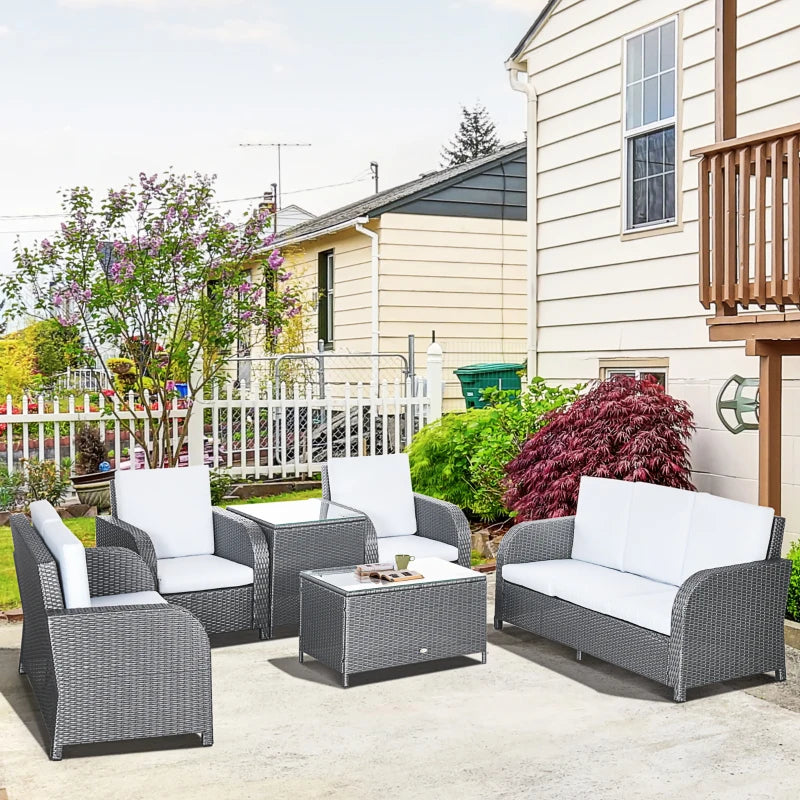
(650, 126)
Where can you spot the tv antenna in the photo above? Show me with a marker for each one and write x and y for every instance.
(278, 146)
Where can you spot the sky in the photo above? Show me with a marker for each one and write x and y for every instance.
(95, 91)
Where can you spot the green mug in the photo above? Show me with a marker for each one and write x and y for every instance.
(401, 562)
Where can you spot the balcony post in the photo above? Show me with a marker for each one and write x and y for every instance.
(725, 64)
(769, 429)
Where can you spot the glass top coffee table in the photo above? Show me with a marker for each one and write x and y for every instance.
(303, 534)
(353, 624)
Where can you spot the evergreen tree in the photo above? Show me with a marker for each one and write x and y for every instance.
(476, 137)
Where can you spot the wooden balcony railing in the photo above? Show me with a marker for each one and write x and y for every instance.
(750, 222)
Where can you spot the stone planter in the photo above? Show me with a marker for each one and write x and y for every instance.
(94, 489)
(791, 632)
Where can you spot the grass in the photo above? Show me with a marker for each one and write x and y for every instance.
(83, 528)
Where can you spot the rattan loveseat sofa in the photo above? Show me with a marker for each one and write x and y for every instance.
(106, 656)
(682, 587)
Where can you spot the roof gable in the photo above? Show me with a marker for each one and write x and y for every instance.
(538, 24)
(407, 196)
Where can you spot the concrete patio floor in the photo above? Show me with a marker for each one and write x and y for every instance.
(531, 723)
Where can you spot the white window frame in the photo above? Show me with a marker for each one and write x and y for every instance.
(629, 135)
(637, 372)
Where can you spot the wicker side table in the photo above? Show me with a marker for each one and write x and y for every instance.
(354, 625)
(301, 535)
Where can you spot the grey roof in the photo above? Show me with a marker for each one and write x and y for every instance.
(379, 203)
(534, 29)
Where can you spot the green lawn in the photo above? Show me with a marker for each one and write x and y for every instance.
(84, 529)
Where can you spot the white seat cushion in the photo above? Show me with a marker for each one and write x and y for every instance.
(200, 573)
(658, 528)
(173, 506)
(128, 599)
(380, 486)
(724, 532)
(70, 556)
(417, 546)
(601, 521)
(652, 610)
(578, 582)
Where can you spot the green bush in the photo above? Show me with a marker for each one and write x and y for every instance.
(440, 456)
(516, 418)
(462, 457)
(45, 481)
(793, 601)
(12, 490)
(221, 483)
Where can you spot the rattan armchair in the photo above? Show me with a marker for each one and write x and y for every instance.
(108, 672)
(236, 540)
(437, 522)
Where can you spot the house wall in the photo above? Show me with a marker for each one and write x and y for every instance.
(461, 277)
(602, 295)
(352, 294)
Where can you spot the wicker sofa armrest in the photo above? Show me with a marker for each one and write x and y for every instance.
(444, 522)
(114, 532)
(115, 644)
(730, 620)
(240, 539)
(117, 570)
(538, 540)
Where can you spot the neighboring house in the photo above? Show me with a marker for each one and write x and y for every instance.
(292, 215)
(444, 252)
(619, 94)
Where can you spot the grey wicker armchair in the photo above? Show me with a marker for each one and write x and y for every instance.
(380, 487)
(224, 582)
(717, 616)
(109, 671)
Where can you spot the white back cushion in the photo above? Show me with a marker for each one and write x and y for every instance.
(724, 532)
(380, 486)
(658, 528)
(173, 506)
(70, 556)
(601, 521)
(41, 511)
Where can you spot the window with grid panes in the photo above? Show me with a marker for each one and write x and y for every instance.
(650, 126)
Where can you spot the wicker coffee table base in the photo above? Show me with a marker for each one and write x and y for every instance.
(402, 625)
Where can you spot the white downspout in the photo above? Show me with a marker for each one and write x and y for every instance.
(375, 327)
(527, 87)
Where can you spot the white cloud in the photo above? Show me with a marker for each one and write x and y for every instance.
(231, 31)
(147, 5)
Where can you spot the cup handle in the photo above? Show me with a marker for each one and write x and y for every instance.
(411, 558)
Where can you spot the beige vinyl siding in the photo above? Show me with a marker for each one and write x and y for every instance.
(602, 295)
(464, 278)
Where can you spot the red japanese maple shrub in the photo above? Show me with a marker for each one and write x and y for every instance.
(622, 428)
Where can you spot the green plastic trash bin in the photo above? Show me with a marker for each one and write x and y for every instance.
(477, 377)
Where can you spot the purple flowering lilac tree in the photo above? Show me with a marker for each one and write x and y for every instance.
(155, 273)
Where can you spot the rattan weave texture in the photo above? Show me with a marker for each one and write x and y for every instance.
(356, 632)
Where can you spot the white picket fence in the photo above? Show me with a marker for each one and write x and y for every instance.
(264, 431)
